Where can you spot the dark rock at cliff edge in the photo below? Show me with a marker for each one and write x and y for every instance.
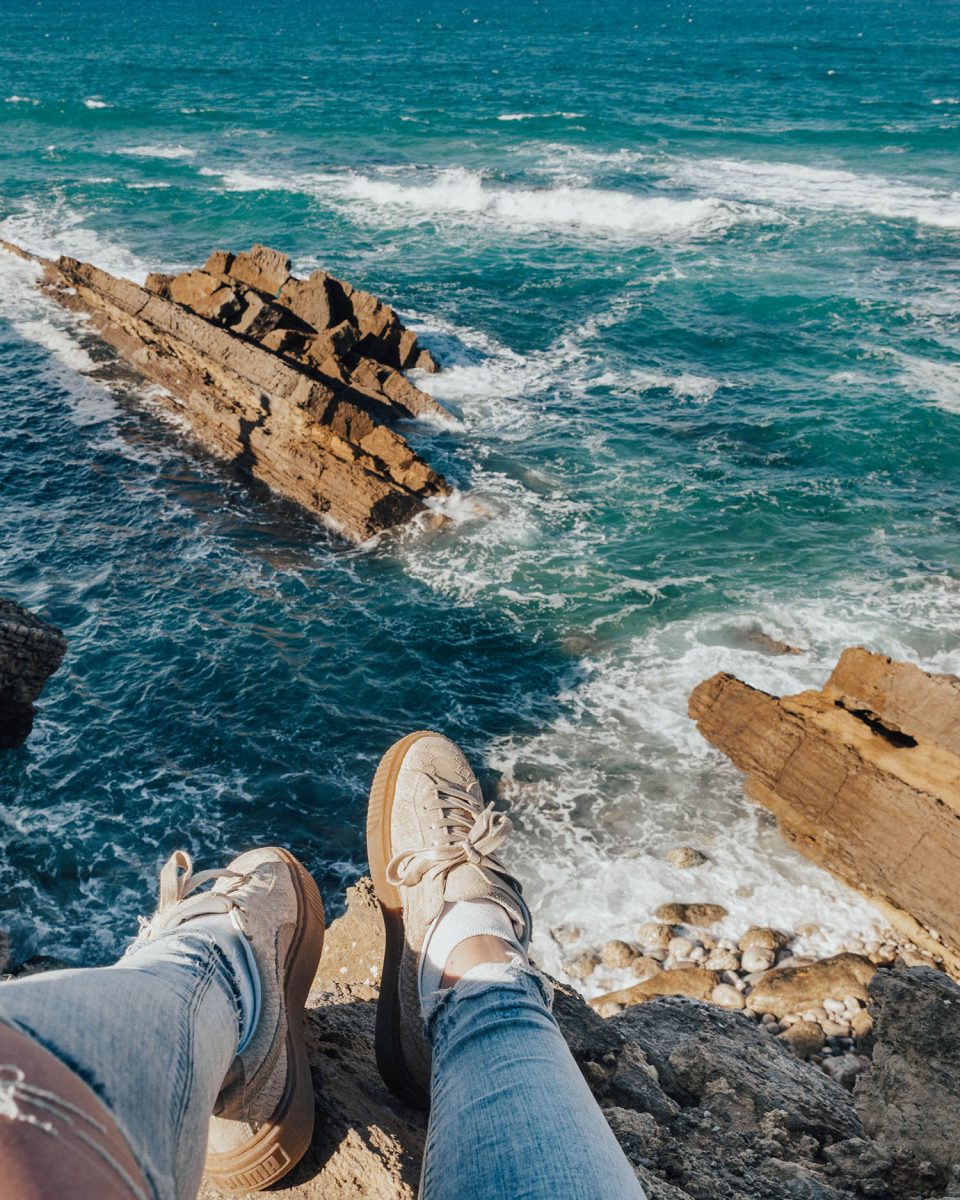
(706, 1105)
(30, 651)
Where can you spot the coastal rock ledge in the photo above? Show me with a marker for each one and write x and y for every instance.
(863, 777)
(706, 1105)
(30, 651)
(298, 382)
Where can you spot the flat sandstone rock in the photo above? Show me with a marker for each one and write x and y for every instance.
(863, 777)
(297, 382)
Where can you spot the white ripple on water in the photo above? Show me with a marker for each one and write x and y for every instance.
(466, 197)
(796, 185)
(160, 150)
(622, 776)
(938, 380)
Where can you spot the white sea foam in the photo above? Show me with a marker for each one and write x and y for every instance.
(950, 100)
(462, 195)
(57, 340)
(795, 185)
(685, 386)
(528, 116)
(160, 150)
(622, 775)
(465, 194)
(938, 380)
(53, 228)
(96, 102)
(20, 100)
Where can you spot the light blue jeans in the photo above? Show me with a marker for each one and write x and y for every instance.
(512, 1117)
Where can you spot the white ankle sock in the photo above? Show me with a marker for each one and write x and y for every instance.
(457, 922)
(239, 953)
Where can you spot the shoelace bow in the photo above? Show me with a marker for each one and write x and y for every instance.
(179, 890)
(468, 833)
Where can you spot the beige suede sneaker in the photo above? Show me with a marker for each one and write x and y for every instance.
(430, 841)
(264, 1113)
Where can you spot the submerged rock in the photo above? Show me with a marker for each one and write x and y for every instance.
(30, 651)
(297, 382)
(863, 777)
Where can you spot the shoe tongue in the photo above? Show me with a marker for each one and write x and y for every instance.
(469, 881)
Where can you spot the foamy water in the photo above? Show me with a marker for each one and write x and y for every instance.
(700, 346)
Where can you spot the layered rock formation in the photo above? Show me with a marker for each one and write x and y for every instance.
(706, 1105)
(298, 382)
(863, 776)
(30, 651)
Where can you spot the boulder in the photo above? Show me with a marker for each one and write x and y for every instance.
(30, 651)
(909, 1101)
(863, 777)
(705, 1105)
(296, 383)
(722, 1061)
(784, 990)
(682, 981)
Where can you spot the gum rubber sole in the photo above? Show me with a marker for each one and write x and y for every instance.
(282, 1141)
(390, 1058)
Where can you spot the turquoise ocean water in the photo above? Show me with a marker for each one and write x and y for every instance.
(693, 271)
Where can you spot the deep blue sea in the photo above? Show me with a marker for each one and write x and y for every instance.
(694, 271)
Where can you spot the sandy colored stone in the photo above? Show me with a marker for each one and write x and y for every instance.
(234, 362)
(697, 915)
(863, 777)
(696, 982)
(796, 989)
(685, 858)
(617, 954)
(804, 1038)
(726, 996)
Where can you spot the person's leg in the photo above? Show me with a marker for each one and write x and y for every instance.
(463, 1020)
(204, 1013)
(511, 1115)
(152, 1036)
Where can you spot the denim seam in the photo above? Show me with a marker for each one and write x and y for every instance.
(187, 1044)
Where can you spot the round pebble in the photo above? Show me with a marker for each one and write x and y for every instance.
(654, 936)
(722, 960)
(835, 1029)
(581, 966)
(616, 954)
(758, 938)
(836, 1007)
(685, 857)
(756, 959)
(726, 996)
(679, 947)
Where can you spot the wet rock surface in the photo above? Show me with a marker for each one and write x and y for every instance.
(704, 1102)
(30, 651)
(297, 382)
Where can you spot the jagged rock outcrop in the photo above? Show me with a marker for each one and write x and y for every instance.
(910, 1099)
(706, 1105)
(30, 651)
(298, 382)
(864, 778)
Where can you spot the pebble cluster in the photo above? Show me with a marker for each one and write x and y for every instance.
(832, 1033)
